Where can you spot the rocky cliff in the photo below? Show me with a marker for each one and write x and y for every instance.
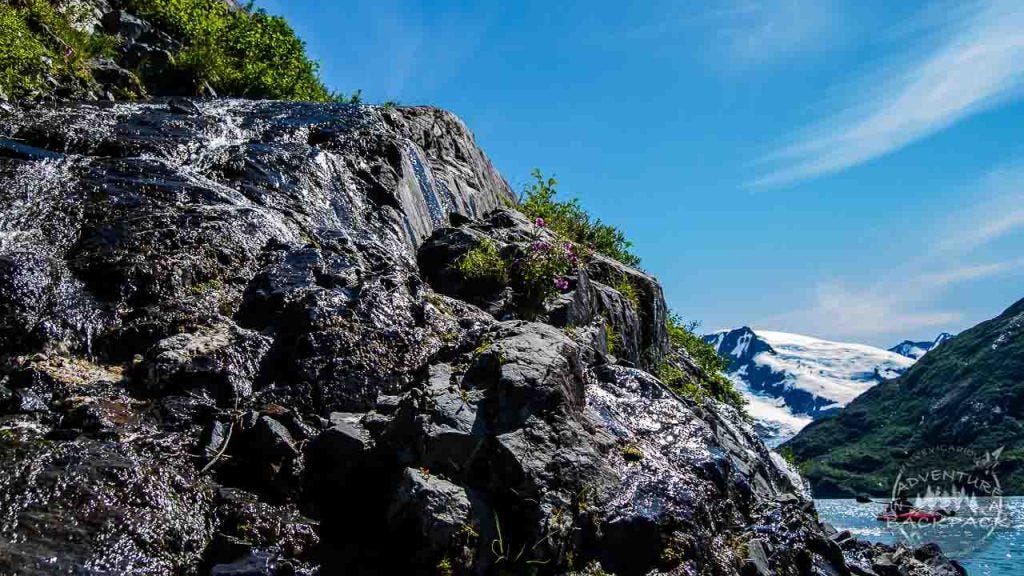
(234, 340)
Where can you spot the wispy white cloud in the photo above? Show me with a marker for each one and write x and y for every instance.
(861, 313)
(900, 306)
(906, 295)
(979, 63)
(741, 33)
(1000, 215)
(757, 31)
(997, 226)
(938, 280)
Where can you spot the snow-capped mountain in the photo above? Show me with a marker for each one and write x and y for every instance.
(789, 379)
(915, 350)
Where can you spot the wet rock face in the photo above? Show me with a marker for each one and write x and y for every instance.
(98, 506)
(677, 465)
(225, 254)
(220, 362)
(42, 304)
(234, 340)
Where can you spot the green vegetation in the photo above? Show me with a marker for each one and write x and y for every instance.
(211, 285)
(612, 339)
(238, 52)
(625, 287)
(675, 551)
(541, 273)
(38, 40)
(353, 98)
(631, 452)
(483, 346)
(444, 567)
(537, 273)
(484, 265)
(508, 560)
(673, 377)
(787, 454)
(245, 52)
(712, 381)
(569, 219)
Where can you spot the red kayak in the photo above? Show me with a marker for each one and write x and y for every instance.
(910, 517)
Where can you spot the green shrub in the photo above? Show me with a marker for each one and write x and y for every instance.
(483, 264)
(789, 456)
(36, 39)
(21, 54)
(673, 377)
(625, 287)
(238, 52)
(537, 273)
(612, 340)
(570, 220)
(541, 273)
(713, 381)
(354, 98)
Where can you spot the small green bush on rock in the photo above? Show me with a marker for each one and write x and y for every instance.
(37, 40)
(238, 52)
(483, 264)
(541, 273)
(625, 287)
(536, 272)
(713, 382)
(612, 340)
(570, 220)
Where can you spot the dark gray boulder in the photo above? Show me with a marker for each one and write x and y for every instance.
(756, 562)
(43, 305)
(220, 361)
(636, 330)
(436, 516)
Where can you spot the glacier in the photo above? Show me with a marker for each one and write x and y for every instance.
(790, 380)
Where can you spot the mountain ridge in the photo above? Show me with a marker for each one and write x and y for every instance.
(916, 349)
(967, 393)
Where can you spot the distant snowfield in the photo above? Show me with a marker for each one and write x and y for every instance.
(838, 371)
(772, 410)
(791, 379)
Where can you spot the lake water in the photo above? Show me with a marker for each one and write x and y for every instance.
(983, 553)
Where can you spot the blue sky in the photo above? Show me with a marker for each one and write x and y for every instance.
(845, 169)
